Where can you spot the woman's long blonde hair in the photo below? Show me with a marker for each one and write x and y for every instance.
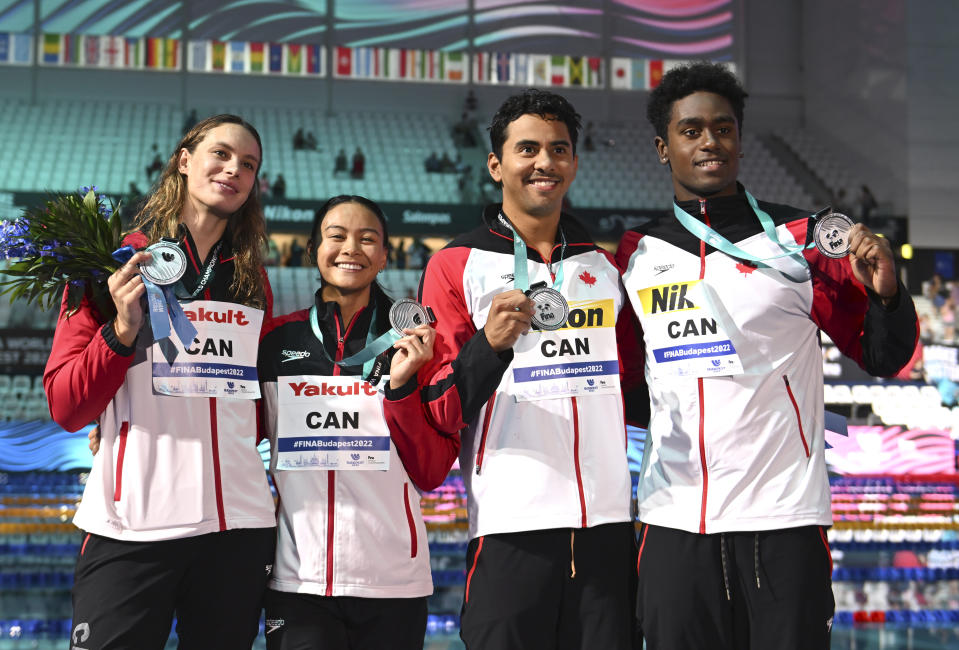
(160, 215)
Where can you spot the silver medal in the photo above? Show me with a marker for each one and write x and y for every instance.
(168, 264)
(550, 309)
(407, 314)
(831, 234)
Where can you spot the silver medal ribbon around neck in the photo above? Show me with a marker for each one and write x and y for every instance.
(550, 309)
(831, 234)
(168, 263)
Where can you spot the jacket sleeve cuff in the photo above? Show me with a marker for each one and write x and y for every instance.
(404, 391)
(110, 336)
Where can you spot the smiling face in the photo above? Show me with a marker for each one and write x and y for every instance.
(536, 168)
(221, 170)
(702, 146)
(349, 248)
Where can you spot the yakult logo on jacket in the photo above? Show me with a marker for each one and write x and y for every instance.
(306, 389)
(230, 316)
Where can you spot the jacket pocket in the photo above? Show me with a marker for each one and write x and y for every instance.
(409, 519)
(121, 452)
(792, 399)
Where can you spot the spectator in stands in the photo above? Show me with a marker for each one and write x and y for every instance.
(295, 253)
(417, 253)
(432, 163)
(589, 137)
(190, 121)
(464, 132)
(840, 203)
(734, 494)
(447, 166)
(359, 164)
(367, 585)
(552, 545)
(399, 255)
(299, 140)
(340, 163)
(155, 165)
(278, 188)
(310, 141)
(271, 257)
(947, 314)
(264, 183)
(470, 103)
(177, 513)
(867, 203)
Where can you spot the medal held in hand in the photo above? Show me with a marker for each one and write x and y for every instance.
(168, 264)
(550, 309)
(831, 234)
(408, 314)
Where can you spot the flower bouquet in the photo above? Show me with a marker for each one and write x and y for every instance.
(66, 244)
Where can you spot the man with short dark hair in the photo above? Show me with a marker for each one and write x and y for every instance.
(733, 492)
(550, 561)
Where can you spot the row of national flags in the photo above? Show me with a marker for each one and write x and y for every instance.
(239, 57)
(368, 63)
(399, 64)
(538, 70)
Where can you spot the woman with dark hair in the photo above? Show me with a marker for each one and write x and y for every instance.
(177, 514)
(352, 568)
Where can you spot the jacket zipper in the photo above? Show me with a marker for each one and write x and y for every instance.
(579, 475)
(699, 382)
(487, 418)
(331, 474)
(121, 452)
(792, 398)
(409, 518)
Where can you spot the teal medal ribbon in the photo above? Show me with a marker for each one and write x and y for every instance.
(704, 233)
(520, 270)
(365, 357)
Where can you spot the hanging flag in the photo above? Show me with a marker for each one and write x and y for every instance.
(171, 51)
(294, 59)
(575, 70)
(154, 58)
(454, 62)
(503, 70)
(218, 58)
(22, 48)
(521, 70)
(539, 64)
(594, 72)
(479, 67)
(111, 51)
(6, 51)
(256, 57)
(72, 49)
(276, 57)
(655, 74)
(91, 50)
(621, 71)
(344, 61)
(51, 48)
(394, 61)
(638, 81)
(198, 56)
(557, 75)
(238, 56)
(132, 53)
(314, 59)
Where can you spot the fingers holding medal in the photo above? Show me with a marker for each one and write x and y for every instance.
(415, 348)
(510, 315)
(126, 289)
(870, 255)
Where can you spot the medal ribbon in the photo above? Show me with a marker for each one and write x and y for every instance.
(367, 356)
(704, 233)
(520, 270)
(164, 308)
(208, 272)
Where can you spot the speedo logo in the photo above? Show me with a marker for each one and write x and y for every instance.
(667, 298)
(662, 268)
(293, 355)
(586, 314)
(229, 316)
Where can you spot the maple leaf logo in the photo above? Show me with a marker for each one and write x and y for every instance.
(745, 268)
(587, 279)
